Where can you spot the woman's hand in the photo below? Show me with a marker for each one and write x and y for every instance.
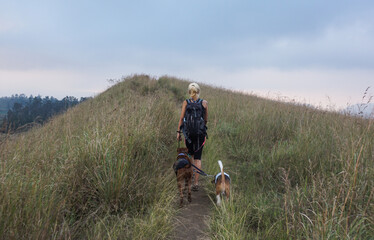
(179, 137)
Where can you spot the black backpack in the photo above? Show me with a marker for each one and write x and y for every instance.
(193, 121)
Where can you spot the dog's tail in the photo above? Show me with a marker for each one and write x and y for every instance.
(223, 187)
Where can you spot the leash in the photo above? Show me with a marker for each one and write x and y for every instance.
(201, 172)
(201, 145)
(198, 170)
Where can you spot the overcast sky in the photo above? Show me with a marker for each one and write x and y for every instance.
(318, 52)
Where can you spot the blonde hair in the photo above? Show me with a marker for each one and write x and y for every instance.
(194, 90)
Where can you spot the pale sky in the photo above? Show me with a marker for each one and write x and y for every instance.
(317, 52)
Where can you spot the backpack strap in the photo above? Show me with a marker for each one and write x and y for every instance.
(197, 101)
(184, 127)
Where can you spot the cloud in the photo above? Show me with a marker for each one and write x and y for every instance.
(235, 35)
(6, 26)
(313, 86)
(299, 48)
(51, 83)
(336, 46)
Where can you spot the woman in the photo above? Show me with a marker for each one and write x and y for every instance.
(196, 143)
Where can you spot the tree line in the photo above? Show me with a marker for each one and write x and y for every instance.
(29, 110)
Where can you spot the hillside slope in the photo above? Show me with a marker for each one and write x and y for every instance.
(298, 173)
(103, 169)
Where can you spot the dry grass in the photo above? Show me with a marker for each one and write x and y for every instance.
(97, 170)
(103, 169)
(298, 173)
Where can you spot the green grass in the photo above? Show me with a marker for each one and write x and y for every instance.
(298, 173)
(103, 169)
(98, 171)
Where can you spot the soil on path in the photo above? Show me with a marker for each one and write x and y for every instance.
(191, 220)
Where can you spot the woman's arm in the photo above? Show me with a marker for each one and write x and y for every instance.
(184, 105)
(205, 105)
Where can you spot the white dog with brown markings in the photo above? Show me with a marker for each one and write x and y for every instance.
(222, 182)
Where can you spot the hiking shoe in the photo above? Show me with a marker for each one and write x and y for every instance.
(195, 188)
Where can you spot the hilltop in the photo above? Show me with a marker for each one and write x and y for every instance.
(102, 170)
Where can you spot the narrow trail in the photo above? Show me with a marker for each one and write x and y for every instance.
(191, 220)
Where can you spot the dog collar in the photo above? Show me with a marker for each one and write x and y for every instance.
(219, 174)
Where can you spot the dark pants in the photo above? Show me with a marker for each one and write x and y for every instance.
(195, 148)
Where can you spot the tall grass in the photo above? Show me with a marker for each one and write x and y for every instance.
(298, 173)
(103, 170)
(99, 171)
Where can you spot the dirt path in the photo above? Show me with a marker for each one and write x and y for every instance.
(191, 219)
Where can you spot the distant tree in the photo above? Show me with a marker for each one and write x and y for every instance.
(34, 109)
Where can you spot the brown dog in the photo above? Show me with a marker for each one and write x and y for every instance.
(183, 170)
(222, 184)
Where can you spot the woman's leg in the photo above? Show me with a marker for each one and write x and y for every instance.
(197, 155)
(197, 163)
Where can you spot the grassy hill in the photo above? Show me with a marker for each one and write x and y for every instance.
(103, 169)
